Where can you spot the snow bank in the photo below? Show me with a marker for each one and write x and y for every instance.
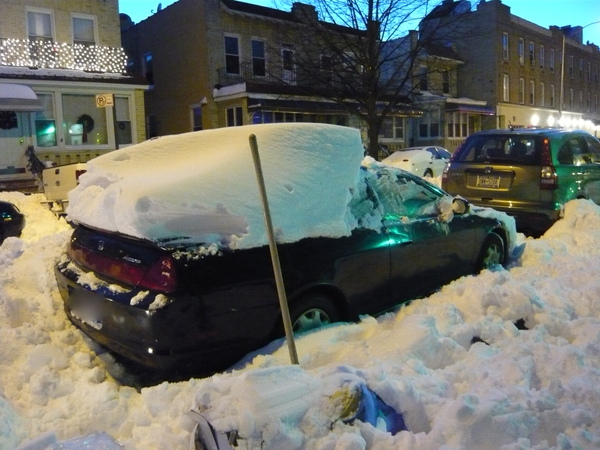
(201, 187)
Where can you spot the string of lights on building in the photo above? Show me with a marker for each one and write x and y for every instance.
(45, 54)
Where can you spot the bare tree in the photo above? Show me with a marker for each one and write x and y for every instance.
(360, 54)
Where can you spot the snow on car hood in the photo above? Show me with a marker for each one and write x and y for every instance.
(201, 187)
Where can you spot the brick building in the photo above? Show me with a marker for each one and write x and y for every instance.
(55, 58)
(516, 67)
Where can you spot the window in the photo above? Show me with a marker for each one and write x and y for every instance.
(84, 30)
(258, 58)
(393, 128)
(459, 125)
(123, 121)
(521, 51)
(532, 92)
(45, 123)
(196, 112)
(422, 74)
(446, 82)
(571, 99)
(552, 95)
(429, 125)
(232, 55)
(542, 94)
(521, 90)
(39, 25)
(552, 60)
(588, 103)
(505, 88)
(542, 56)
(84, 123)
(505, 46)
(531, 53)
(147, 67)
(234, 117)
(580, 68)
(326, 62)
(571, 68)
(288, 64)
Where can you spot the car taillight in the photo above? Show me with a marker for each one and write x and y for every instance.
(548, 177)
(445, 172)
(161, 275)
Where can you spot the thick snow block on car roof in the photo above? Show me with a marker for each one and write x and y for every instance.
(201, 187)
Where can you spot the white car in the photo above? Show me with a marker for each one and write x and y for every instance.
(426, 162)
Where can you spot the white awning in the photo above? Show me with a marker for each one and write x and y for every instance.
(18, 97)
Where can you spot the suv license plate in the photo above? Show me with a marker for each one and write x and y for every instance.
(488, 181)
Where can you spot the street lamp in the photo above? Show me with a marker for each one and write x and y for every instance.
(562, 69)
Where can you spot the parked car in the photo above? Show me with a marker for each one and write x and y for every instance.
(426, 162)
(527, 173)
(171, 305)
(12, 221)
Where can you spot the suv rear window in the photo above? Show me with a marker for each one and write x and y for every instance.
(504, 149)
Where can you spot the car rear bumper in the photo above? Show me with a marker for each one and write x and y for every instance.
(535, 217)
(173, 338)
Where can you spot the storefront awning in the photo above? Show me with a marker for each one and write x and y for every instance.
(473, 109)
(18, 97)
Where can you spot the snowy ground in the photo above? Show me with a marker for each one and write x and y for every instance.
(533, 388)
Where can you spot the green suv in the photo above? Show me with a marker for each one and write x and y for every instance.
(527, 173)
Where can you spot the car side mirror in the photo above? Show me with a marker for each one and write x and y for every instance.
(460, 205)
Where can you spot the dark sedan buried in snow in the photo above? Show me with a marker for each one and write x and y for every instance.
(174, 306)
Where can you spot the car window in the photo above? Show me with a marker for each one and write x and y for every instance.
(575, 151)
(444, 154)
(402, 196)
(594, 148)
(432, 153)
(510, 149)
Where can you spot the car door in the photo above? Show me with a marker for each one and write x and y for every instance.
(593, 186)
(423, 252)
(578, 174)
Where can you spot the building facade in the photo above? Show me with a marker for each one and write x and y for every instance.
(63, 88)
(517, 68)
(234, 63)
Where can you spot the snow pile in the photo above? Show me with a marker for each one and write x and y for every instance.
(507, 359)
(201, 187)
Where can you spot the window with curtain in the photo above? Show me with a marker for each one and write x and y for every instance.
(84, 31)
(40, 25)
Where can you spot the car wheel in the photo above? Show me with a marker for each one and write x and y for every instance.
(428, 174)
(492, 252)
(312, 312)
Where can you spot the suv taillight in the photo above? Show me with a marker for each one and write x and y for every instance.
(548, 177)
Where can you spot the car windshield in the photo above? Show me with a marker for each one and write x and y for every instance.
(503, 148)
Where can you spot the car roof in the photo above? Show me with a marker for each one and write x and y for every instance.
(554, 132)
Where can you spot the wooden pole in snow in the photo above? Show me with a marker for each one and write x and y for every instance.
(283, 304)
